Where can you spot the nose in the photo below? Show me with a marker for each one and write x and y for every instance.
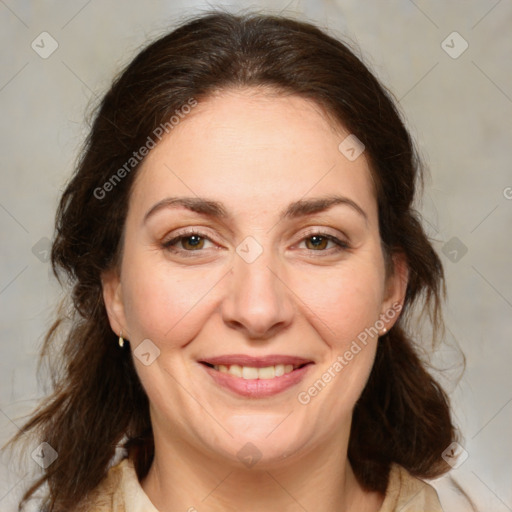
(258, 303)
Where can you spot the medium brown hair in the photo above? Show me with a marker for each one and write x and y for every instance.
(403, 415)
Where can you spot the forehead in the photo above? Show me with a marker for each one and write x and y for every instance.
(253, 149)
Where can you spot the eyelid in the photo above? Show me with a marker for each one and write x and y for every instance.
(317, 230)
(169, 240)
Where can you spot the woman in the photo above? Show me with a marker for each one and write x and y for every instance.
(243, 255)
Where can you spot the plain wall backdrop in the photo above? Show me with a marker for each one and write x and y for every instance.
(448, 64)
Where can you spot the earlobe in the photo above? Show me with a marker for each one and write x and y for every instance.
(113, 299)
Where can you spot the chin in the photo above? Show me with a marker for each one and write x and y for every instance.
(263, 444)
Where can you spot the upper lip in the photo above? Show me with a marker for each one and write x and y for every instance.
(255, 362)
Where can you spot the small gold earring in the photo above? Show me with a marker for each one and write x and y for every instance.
(121, 341)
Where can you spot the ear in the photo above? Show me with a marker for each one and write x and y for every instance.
(396, 287)
(113, 298)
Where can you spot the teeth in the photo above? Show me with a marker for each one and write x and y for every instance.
(251, 373)
(235, 370)
(269, 372)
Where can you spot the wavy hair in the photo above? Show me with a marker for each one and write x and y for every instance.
(97, 401)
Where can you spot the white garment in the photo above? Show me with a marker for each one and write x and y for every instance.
(121, 491)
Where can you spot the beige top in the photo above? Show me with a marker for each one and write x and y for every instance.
(122, 492)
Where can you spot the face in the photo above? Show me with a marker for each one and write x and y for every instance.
(253, 279)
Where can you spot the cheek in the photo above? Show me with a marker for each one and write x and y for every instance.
(343, 315)
(341, 303)
(165, 304)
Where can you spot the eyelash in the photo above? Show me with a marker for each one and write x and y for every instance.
(340, 245)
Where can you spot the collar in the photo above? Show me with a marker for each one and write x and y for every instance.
(122, 492)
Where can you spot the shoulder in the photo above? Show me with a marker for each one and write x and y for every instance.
(120, 490)
(108, 495)
(406, 493)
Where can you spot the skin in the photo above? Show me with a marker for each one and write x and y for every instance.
(256, 152)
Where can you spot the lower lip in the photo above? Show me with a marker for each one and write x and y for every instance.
(257, 388)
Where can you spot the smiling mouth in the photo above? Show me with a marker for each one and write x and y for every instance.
(253, 373)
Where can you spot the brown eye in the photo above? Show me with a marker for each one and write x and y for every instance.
(192, 242)
(186, 243)
(317, 242)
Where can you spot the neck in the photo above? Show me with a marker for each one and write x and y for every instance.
(182, 478)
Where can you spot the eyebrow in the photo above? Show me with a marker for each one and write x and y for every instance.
(216, 209)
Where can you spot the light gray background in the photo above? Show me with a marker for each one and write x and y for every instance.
(459, 110)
